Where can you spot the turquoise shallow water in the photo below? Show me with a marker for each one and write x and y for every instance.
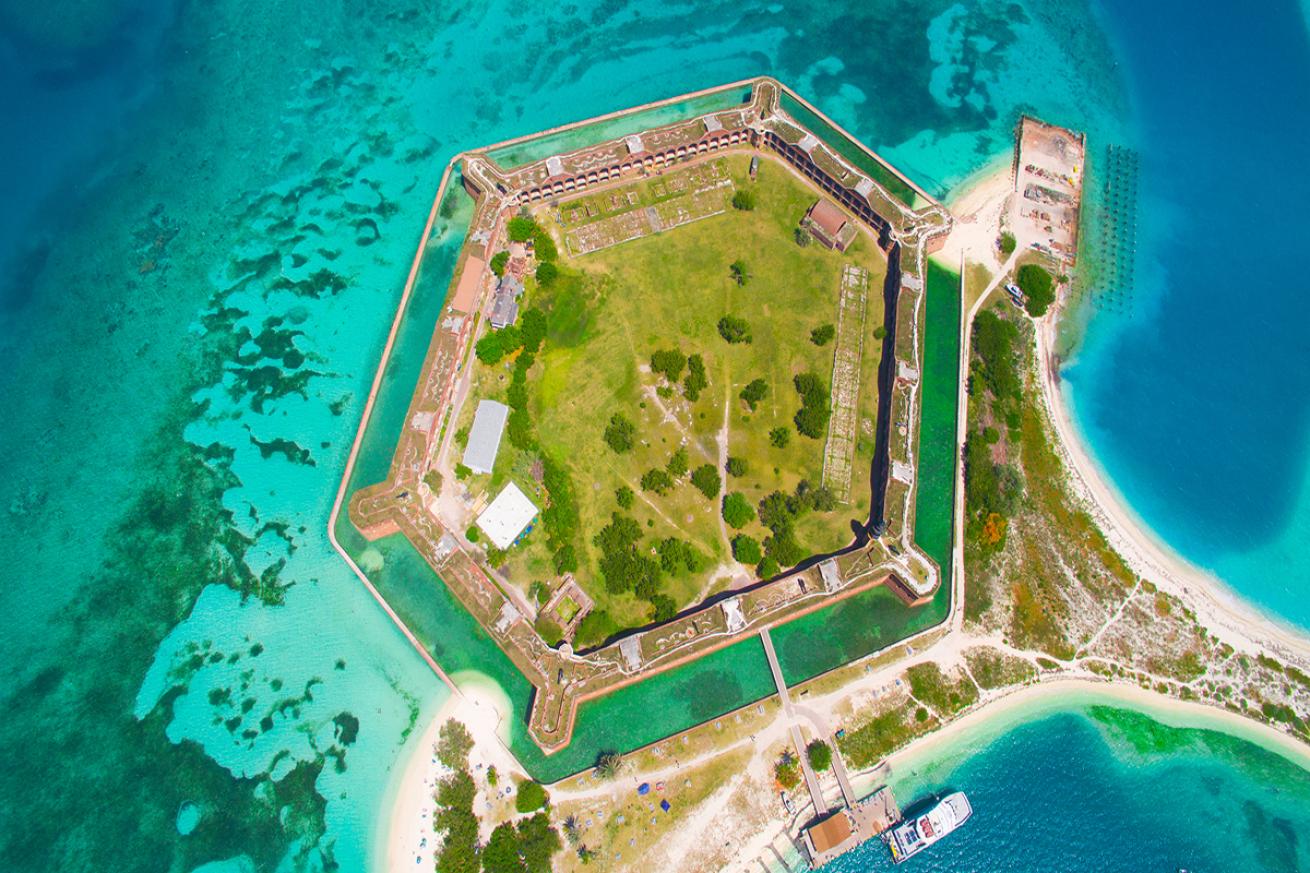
(218, 210)
(1097, 788)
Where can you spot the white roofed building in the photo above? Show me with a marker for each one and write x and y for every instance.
(507, 517)
(484, 436)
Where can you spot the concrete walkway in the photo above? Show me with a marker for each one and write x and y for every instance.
(798, 740)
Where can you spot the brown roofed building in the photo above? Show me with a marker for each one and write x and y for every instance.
(829, 226)
(466, 292)
(828, 834)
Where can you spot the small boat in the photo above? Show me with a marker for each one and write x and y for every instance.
(916, 834)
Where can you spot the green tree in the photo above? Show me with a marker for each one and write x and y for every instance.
(707, 481)
(734, 330)
(767, 568)
(740, 272)
(735, 467)
(823, 334)
(812, 418)
(820, 755)
(538, 843)
(498, 262)
(530, 797)
(737, 511)
(521, 228)
(656, 480)
(501, 854)
(1008, 243)
(624, 496)
(746, 549)
(473, 534)
(779, 437)
(744, 200)
(880, 332)
(543, 246)
(696, 381)
(621, 434)
(549, 630)
(665, 608)
(498, 344)
(596, 627)
(546, 273)
(677, 465)
(565, 559)
(1038, 289)
(454, 742)
(533, 330)
(609, 765)
(802, 236)
(668, 363)
(754, 392)
(994, 364)
(787, 770)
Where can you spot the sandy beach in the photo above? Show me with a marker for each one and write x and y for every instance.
(483, 708)
(1233, 619)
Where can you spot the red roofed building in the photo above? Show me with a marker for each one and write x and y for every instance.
(828, 225)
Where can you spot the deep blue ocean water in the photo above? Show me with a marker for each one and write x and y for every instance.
(1196, 398)
(209, 214)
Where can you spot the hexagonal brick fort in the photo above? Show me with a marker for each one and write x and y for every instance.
(861, 189)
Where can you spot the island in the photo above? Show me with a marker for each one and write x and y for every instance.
(693, 422)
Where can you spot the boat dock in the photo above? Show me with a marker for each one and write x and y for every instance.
(832, 832)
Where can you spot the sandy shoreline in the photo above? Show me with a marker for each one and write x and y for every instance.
(1026, 703)
(405, 824)
(1233, 619)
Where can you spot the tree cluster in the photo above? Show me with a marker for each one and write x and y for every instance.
(812, 418)
(995, 366)
(628, 566)
(779, 512)
(823, 334)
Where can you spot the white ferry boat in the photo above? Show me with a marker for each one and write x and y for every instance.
(916, 834)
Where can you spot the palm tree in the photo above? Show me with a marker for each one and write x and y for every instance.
(572, 830)
(609, 765)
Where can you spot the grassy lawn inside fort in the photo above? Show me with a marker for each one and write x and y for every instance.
(608, 312)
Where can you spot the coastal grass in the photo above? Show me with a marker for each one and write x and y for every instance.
(931, 686)
(993, 669)
(609, 311)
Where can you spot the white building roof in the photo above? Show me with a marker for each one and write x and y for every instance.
(507, 516)
(484, 436)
